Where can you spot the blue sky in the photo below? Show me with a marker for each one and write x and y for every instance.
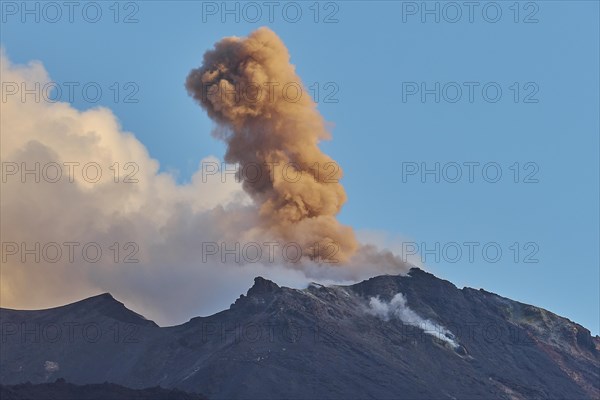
(371, 56)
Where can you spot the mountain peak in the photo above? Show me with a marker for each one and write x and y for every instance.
(262, 286)
(102, 297)
(418, 272)
(99, 300)
(105, 304)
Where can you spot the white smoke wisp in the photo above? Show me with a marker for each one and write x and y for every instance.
(397, 308)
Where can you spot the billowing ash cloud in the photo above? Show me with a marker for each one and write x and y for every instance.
(272, 130)
(397, 308)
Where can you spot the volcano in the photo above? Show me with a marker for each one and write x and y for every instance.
(411, 336)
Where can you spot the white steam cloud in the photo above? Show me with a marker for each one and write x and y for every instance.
(161, 224)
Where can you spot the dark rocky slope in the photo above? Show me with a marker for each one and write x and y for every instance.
(321, 342)
(61, 390)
